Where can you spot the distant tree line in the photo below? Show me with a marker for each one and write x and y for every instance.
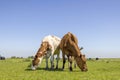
(15, 57)
(32, 57)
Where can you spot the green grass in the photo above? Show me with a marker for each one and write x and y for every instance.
(17, 69)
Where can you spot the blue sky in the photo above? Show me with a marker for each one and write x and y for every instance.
(96, 23)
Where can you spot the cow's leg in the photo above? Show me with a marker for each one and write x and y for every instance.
(46, 62)
(57, 61)
(70, 61)
(47, 57)
(64, 60)
(52, 61)
(75, 64)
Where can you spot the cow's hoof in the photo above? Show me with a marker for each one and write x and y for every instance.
(71, 69)
(46, 68)
(56, 68)
(62, 69)
(52, 68)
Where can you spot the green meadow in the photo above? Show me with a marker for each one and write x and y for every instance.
(19, 69)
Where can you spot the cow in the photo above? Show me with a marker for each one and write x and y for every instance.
(49, 47)
(69, 47)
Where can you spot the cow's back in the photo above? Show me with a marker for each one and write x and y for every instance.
(54, 41)
(69, 44)
(66, 38)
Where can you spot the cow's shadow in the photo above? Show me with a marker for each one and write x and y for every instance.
(49, 69)
(53, 70)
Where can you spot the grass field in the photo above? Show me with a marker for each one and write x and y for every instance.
(17, 69)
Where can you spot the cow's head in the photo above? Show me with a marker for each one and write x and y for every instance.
(81, 62)
(40, 53)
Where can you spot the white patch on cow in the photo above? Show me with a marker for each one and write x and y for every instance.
(40, 60)
(33, 67)
(53, 41)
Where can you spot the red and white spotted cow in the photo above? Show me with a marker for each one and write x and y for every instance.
(49, 47)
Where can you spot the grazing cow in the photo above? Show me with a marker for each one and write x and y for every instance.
(49, 47)
(69, 47)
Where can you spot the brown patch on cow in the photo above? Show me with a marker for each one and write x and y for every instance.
(35, 61)
(45, 46)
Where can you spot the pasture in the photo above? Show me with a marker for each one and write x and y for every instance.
(18, 69)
